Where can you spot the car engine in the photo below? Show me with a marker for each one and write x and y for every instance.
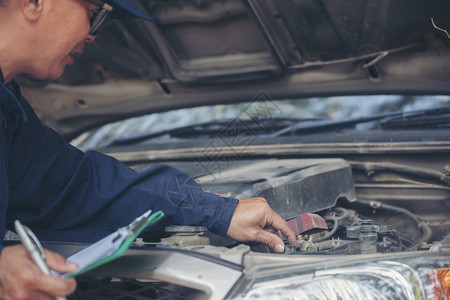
(318, 198)
(337, 207)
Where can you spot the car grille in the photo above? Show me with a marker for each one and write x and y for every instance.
(116, 288)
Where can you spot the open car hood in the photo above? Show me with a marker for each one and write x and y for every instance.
(205, 51)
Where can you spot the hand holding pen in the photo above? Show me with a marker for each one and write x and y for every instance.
(22, 279)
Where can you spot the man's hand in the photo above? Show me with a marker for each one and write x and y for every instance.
(21, 279)
(254, 220)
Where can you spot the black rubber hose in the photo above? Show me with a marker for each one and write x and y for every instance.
(331, 232)
(421, 225)
(335, 220)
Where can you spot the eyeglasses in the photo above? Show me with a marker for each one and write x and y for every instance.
(99, 18)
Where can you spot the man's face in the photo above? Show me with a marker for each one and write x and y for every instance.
(63, 31)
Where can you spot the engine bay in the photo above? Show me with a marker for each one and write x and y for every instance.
(319, 200)
(348, 209)
(347, 231)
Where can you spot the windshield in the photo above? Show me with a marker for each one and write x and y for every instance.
(309, 109)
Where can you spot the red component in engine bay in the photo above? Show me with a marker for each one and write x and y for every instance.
(307, 223)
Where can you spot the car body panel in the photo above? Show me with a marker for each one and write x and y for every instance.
(236, 49)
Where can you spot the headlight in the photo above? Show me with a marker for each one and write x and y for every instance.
(411, 278)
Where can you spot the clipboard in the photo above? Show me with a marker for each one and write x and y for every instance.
(112, 246)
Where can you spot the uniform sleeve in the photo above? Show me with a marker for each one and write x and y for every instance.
(4, 195)
(66, 195)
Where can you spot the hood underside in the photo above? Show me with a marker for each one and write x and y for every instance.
(201, 52)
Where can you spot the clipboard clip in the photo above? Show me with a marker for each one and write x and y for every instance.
(133, 227)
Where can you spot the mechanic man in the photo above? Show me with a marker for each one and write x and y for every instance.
(66, 195)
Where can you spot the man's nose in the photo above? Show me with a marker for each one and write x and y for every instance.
(90, 38)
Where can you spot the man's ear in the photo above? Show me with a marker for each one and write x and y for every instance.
(32, 9)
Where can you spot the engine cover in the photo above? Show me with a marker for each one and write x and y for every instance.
(291, 186)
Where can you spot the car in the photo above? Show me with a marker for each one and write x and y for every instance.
(336, 112)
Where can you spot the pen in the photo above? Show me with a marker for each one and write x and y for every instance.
(34, 248)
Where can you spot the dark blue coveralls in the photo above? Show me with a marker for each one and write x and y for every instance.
(63, 194)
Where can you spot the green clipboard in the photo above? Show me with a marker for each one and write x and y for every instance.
(112, 246)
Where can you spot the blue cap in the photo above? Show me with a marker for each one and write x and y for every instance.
(126, 9)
